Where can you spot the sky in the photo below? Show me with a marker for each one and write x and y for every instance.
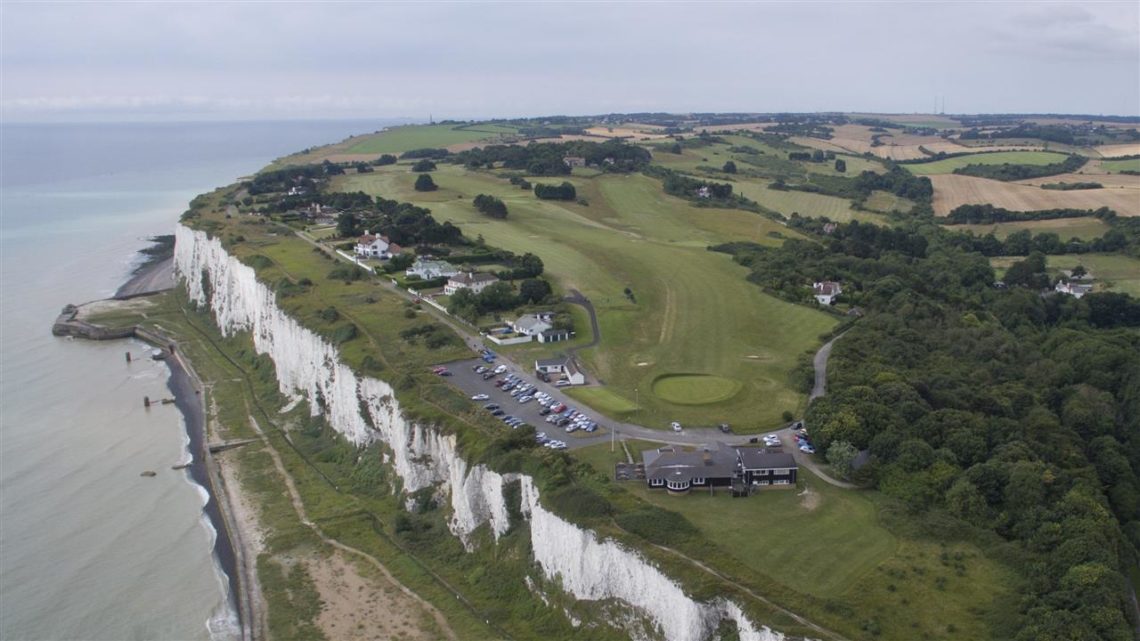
(298, 60)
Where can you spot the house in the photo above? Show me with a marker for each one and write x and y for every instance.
(1076, 290)
(704, 192)
(533, 324)
(721, 465)
(553, 335)
(759, 467)
(431, 269)
(829, 228)
(678, 471)
(825, 292)
(371, 246)
(475, 281)
(574, 161)
(564, 366)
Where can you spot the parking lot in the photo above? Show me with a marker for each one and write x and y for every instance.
(463, 376)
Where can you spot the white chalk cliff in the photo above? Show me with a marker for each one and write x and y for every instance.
(365, 410)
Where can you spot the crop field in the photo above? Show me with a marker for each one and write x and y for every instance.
(1083, 228)
(829, 544)
(952, 190)
(1114, 166)
(399, 139)
(999, 158)
(691, 311)
(805, 203)
(1124, 149)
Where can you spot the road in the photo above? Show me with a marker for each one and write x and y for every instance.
(687, 436)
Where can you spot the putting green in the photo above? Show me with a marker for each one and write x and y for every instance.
(695, 389)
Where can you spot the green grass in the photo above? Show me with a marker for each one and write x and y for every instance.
(833, 547)
(790, 201)
(999, 158)
(399, 139)
(1085, 228)
(1117, 166)
(1112, 272)
(694, 389)
(693, 311)
(604, 400)
(885, 201)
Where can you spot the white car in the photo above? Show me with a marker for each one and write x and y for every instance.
(480, 397)
(676, 426)
(500, 369)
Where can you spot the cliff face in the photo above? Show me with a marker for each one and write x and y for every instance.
(365, 410)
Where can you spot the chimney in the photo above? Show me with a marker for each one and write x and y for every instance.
(707, 458)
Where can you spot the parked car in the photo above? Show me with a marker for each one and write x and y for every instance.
(562, 383)
(480, 397)
(497, 413)
(724, 428)
(491, 406)
(676, 426)
(500, 369)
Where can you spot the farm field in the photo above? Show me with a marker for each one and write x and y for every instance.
(805, 203)
(952, 190)
(693, 311)
(1083, 228)
(998, 158)
(399, 139)
(1113, 166)
(885, 201)
(1124, 149)
(828, 543)
(1113, 272)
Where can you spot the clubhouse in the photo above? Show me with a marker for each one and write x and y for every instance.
(742, 469)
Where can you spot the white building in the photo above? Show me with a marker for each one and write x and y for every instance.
(1072, 289)
(475, 281)
(431, 269)
(371, 246)
(564, 366)
(533, 324)
(826, 292)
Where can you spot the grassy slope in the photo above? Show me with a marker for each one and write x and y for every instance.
(694, 311)
(399, 139)
(1012, 157)
(834, 547)
(1114, 166)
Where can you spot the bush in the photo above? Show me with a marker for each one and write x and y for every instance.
(329, 315)
(347, 273)
(386, 159)
(343, 334)
(658, 525)
(425, 183)
(565, 191)
(491, 206)
(423, 165)
(579, 502)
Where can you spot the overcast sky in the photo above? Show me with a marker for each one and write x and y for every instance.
(243, 60)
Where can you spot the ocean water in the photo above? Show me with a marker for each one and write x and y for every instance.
(89, 549)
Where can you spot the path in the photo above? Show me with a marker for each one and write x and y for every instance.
(799, 619)
(820, 364)
(576, 298)
(299, 508)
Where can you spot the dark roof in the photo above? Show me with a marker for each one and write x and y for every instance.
(673, 465)
(554, 332)
(757, 458)
(551, 362)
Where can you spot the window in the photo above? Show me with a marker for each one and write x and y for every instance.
(762, 472)
(780, 482)
(656, 482)
(678, 486)
(698, 481)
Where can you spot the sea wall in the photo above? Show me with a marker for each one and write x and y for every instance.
(365, 410)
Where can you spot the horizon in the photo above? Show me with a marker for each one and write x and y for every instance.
(187, 61)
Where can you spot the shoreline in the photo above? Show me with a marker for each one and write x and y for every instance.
(204, 470)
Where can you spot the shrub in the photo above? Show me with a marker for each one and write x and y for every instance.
(343, 334)
(657, 525)
(347, 273)
(423, 165)
(579, 502)
(425, 183)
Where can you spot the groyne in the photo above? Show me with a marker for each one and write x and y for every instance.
(187, 390)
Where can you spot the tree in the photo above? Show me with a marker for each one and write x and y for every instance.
(1079, 271)
(425, 183)
(496, 297)
(386, 159)
(347, 225)
(527, 266)
(729, 167)
(423, 165)
(841, 455)
(840, 165)
(490, 206)
(534, 290)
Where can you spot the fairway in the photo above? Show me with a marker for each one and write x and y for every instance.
(948, 165)
(691, 309)
(829, 543)
(399, 139)
(789, 202)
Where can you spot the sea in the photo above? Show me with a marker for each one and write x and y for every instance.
(89, 549)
